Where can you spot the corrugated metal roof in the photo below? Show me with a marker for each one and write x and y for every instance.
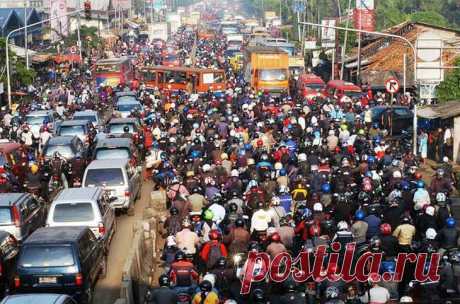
(5, 15)
(443, 111)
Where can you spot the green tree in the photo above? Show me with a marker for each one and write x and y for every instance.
(449, 89)
(22, 76)
(430, 17)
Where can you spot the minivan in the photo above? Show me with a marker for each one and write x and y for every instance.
(79, 128)
(84, 207)
(65, 260)
(20, 214)
(118, 178)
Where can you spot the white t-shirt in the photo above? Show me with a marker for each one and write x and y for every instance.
(378, 295)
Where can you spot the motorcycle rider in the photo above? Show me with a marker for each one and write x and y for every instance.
(183, 274)
(405, 234)
(213, 250)
(163, 294)
(292, 296)
(388, 241)
(238, 238)
(376, 294)
(276, 246)
(206, 295)
(187, 240)
(359, 227)
(448, 236)
(59, 167)
(332, 296)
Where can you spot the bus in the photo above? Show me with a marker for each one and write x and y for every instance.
(114, 71)
(176, 78)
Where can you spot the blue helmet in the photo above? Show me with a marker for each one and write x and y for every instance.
(359, 215)
(307, 213)
(248, 147)
(450, 222)
(420, 184)
(371, 159)
(195, 154)
(283, 172)
(388, 266)
(405, 185)
(326, 188)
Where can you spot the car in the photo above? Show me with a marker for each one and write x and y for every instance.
(80, 128)
(122, 94)
(126, 104)
(69, 147)
(402, 117)
(21, 214)
(66, 260)
(119, 178)
(171, 60)
(116, 126)
(38, 298)
(90, 115)
(116, 148)
(10, 155)
(84, 207)
(9, 249)
(36, 119)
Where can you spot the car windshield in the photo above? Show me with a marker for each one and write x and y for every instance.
(107, 68)
(118, 128)
(104, 177)
(314, 86)
(114, 153)
(75, 212)
(46, 256)
(90, 118)
(273, 75)
(128, 107)
(127, 98)
(5, 216)
(65, 151)
(2, 160)
(35, 120)
(288, 49)
(352, 94)
(71, 130)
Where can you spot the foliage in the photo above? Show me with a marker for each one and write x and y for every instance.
(23, 76)
(449, 89)
(430, 17)
(351, 39)
(85, 32)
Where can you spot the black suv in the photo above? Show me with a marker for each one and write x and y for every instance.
(61, 260)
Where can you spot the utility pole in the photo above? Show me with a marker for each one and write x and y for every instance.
(344, 48)
(78, 30)
(25, 34)
(358, 72)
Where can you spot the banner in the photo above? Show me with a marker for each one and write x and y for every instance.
(59, 26)
(328, 34)
(364, 19)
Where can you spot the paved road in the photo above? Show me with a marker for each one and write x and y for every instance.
(108, 290)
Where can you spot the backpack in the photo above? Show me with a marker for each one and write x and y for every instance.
(183, 275)
(213, 255)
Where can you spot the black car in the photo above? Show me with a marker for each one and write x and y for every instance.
(399, 117)
(69, 147)
(9, 250)
(65, 260)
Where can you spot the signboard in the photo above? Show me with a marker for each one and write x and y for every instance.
(328, 34)
(427, 91)
(298, 7)
(429, 52)
(208, 78)
(392, 85)
(60, 25)
(365, 4)
(270, 15)
(364, 19)
(310, 45)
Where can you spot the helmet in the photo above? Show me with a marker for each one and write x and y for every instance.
(205, 286)
(197, 141)
(251, 161)
(430, 234)
(214, 234)
(258, 295)
(420, 184)
(163, 280)
(283, 172)
(233, 207)
(359, 215)
(126, 129)
(206, 167)
(397, 174)
(405, 185)
(440, 172)
(278, 166)
(208, 215)
(440, 197)
(406, 299)
(239, 222)
(326, 188)
(224, 156)
(429, 210)
(385, 229)
(276, 201)
(450, 222)
(302, 157)
(234, 173)
(196, 189)
(217, 198)
(174, 211)
(275, 237)
(332, 292)
(34, 168)
(342, 225)
(371, 159)
(306, 213)
(318, 207)
(180, 256)
(222, 262)
(186, 223)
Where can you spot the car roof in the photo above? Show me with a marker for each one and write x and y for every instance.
(38, 113)
(9, 146)
(107, 163)
(85, 112)
(55, 235)
(36, 298)
(7, 199)
(123, 120)
(114, 142)
(72, 195)
(75, 122)
(130, 101)
(60, 140)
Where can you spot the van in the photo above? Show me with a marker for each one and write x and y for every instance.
(84, 207)
(20, 214)
(119, 179)
(66, 260)
(338, 89)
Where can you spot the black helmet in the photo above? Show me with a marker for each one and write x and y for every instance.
(253, 246)
(180, 256)
(239, 222)
(163, 280)
(196, 189)
(126, 129)
(174, 211)
(233, 207)
(197, 141)
(221, 262)
(258, 295)
(205, 286)
(290, 284)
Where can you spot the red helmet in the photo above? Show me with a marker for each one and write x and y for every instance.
(314, 230)
(214, 234)
(385, 229)
(260, 143)
(275, 237)
(418, 175)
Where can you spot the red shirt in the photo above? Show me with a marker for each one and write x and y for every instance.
(207, 248)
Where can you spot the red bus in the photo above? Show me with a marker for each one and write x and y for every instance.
(114, 71)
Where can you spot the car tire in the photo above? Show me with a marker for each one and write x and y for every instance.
(103, 270)
(87, 294)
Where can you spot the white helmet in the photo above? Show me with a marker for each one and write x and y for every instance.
(276, 201)
(302, 157)
(278, 166)
(206, 167)
(318, 207)
(342, 225)
(430, 234)
(234, 173)
(397, 174)
(429, 210)
(211, 278)
(406, 299)
(283, 189)
(251, 161)
(441, 197)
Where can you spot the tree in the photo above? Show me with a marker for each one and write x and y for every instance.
(430, 17)
(22, 76)
(449, 89)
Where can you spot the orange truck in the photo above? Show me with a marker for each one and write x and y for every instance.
(267, 68)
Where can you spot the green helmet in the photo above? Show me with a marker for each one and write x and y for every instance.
(208, 215)
(361, 132)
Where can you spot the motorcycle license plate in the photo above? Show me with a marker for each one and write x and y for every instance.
(77, 184)
(47, 280)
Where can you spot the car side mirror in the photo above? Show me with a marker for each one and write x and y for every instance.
(112, 199)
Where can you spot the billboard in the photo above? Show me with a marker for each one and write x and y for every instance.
(59, 26)
(365, 4)
(364, 19)
(328, 34)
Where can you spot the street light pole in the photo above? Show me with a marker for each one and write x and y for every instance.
(7, 53)
(78, 31)
(25, 34)
(414, 50)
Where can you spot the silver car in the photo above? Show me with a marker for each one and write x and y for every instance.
(38, 298)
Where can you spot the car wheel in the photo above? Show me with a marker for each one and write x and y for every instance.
(88, 294)
(103, 270)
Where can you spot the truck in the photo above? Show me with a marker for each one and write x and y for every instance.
(267, 68)
(159, 31)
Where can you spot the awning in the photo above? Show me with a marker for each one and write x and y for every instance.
(67, 58)
(443, 111)
(20, 51)
(355, 64)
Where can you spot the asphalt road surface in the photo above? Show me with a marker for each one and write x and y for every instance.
(108, 289)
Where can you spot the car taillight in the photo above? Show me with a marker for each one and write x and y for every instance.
(127, 193)
(17, 282)
(79, 279)
(101, 229)
(16, 216)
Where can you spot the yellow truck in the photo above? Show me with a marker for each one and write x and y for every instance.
(267, 68)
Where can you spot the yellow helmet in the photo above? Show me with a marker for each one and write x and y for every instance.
(34, 168)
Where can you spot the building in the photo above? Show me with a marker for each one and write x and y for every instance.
(37, 4)
(13, 18)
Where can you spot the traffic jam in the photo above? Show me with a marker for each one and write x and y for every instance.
(279, 183)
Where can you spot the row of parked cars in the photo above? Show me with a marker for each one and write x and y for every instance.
(55, 252)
